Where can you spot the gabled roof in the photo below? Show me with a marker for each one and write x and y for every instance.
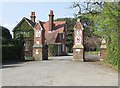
(51, 37)
(31, 23)
(58, 27)
(41, 24)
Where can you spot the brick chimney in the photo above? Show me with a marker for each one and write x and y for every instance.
(33, 16)
(51, 17)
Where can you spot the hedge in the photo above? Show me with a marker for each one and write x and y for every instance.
(11, 53)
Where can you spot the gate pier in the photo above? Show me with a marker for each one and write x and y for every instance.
(78, 48)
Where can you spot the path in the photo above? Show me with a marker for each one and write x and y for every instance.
(61, 71)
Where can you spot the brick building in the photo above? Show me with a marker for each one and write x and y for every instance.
(41, 33)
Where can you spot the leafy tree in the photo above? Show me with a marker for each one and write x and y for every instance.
(70, 32)
(12, 49)
(5, 33)
(89, 6)
(108, 27)
(91, 40)
(106, 24)
(6, 36)
(88, 25)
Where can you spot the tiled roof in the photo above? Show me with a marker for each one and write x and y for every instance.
(51, 37)
(41, 24)
(31, 22)
(58, 27)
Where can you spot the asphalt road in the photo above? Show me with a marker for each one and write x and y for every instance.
(58, 71)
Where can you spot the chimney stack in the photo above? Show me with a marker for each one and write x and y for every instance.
(51, 17)
(33, 16)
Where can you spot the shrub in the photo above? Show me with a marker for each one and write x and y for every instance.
(11, 52)
(51, 50)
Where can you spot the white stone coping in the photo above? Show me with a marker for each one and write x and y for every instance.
(103, 46)
(78, 46)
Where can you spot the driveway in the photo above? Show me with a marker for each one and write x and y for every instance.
(58, 71)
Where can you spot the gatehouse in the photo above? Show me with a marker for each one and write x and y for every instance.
(40, 36)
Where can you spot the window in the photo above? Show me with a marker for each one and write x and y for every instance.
(63, 47)
(27, 44)
(37, 42)
(27, 34)
(60, 36)
(37, 33)
(63, 35)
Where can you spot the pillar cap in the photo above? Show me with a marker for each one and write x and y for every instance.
(79, 46)
(103, 46)
(37, 46)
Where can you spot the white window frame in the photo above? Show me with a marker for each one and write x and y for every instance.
(63, 35)
(37, 33)
(63, 47)
(26, 44)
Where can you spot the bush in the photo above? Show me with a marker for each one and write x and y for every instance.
(11, 52)
(112, 56)
(51, 50)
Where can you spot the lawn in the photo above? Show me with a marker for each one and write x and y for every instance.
(92, 52)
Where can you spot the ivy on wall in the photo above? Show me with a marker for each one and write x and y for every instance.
(25, 29)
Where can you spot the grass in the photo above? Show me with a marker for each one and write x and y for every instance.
(92, 52)
(28, 58)
(108, 65)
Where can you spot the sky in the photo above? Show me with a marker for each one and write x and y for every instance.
(13, 12)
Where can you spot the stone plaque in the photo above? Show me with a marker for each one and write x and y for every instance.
(78, 50)
(36, 51)
(78, 37)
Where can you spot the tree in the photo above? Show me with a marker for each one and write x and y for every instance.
(12, 49)
(106, 24)
(90, 6)
(6, 36)
(108, 28)
(70, 32)
(87, 9)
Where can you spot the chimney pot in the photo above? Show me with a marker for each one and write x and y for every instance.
(33, 16)
(51, 12)
(33, 13)
(51, 17)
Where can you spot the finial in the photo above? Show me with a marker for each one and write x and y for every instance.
(103, 41)
(78, 20)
